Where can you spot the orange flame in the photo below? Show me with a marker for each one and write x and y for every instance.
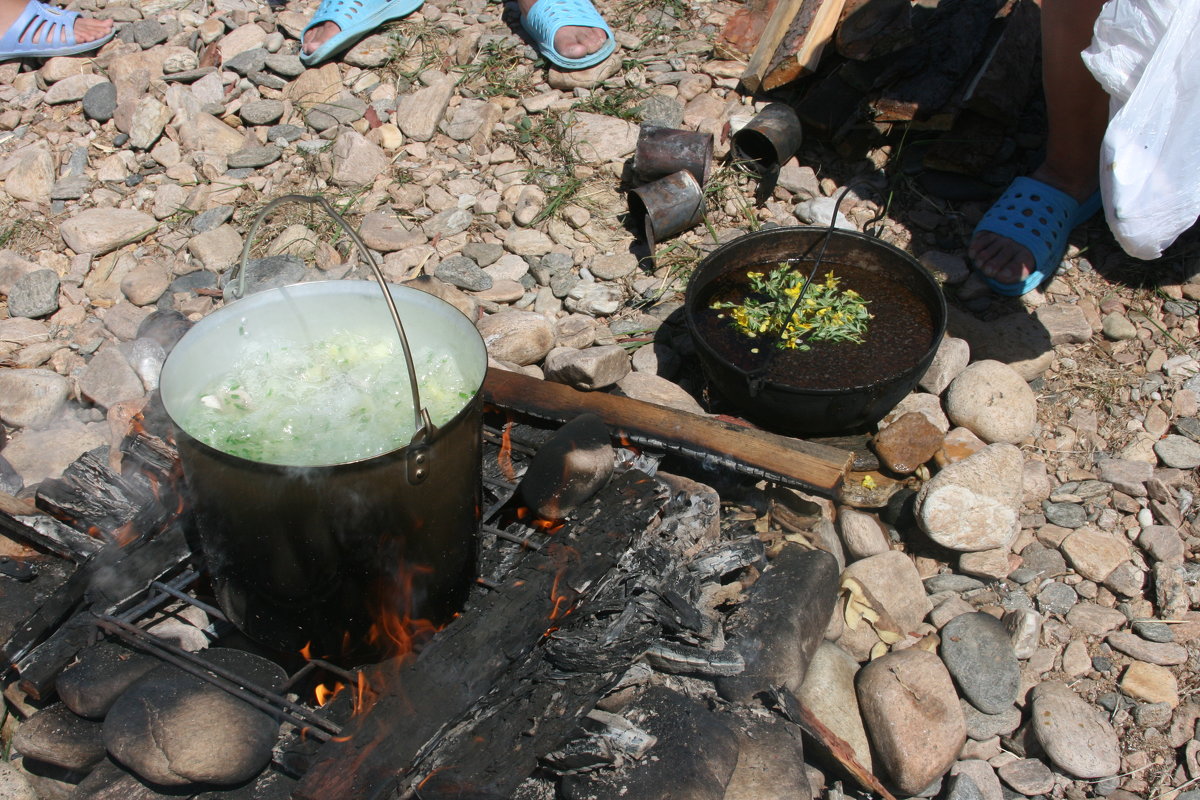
(505, 455)
(324, 694)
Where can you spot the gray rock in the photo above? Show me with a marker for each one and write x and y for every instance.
(1177, 451)
(486, 253)
(464, 273)
(148, 32)
(175, 729)
(1095, 620)
(1075, 735)
(14, 785)
(71, 188)
(1065, 515)
(286, 133)
(1162, 543)
(34, 294)
(288, 65)
(660, 391)
(594, 299)
(1160, 653)
(862, 534)
(963, 787)
(517, 337)
(32, 398)
(1126, 475)
(109, 379)
(100, 102)
(951, 358)
(993, 401)
(1154, 631)
(102, 230)
(322, 116)
(992, 479)
(418, 114)
(981, 726)
(254, 157)
(164, 327)
(569, 468)
(1056, 598)
(912, 716)
(247, 61)
(1028, 776)
(979, 655)
(593, 368)
(262, 112)
(952, 582)
(1117, 327)
(58, 736)
(775, 638)
(102, 671)
(447, 223)
(659, 109)
(1024, 626)
(211, 218)
(828, 692)
(271, 272)
(770, 762)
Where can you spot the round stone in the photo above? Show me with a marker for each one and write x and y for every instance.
(978, 652)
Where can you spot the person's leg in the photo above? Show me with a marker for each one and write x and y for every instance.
(1077, 115)
(87, 29)
(570, 41)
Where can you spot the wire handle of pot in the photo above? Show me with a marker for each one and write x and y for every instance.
(424, 429)
(757, 378)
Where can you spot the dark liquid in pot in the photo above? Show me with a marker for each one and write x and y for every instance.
(898, 335)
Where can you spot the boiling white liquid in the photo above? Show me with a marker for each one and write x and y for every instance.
(339, 399)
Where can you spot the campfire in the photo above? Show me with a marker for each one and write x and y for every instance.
(629, 630)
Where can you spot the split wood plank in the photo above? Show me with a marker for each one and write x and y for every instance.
(784, 13)
(420, 699)
(800, 50)
(793, 462)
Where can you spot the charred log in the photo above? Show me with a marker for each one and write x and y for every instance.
(420, 699)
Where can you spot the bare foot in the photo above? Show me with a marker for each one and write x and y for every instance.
(86, 28)
(572, 41)
(1002, 259)
(318, 35)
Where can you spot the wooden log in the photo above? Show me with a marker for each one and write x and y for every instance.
(800, 50)
(24, 523)
(869, 29)
(108, 579)
(419, 698)
(92, 498)
(782, 16)
(1008, 77)
(494, 749)
(794, 462)
(938, 65)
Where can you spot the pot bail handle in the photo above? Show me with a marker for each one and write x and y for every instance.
(417, 452)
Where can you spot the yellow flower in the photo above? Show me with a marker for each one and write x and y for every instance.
(868, 482)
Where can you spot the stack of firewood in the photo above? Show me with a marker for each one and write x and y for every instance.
(968, 67)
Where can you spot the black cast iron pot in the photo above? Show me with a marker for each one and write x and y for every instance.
(895, 357)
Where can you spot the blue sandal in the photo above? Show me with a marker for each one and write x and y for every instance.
(356, 18)
(547, 16)
(44, 31)
(1040, 218)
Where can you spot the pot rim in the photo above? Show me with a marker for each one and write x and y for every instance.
(940, 312)
(339, 287)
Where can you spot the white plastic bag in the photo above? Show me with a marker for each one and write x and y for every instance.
(1144, 54)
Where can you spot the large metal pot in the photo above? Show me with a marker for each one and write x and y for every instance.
(300, 554)
(853, 406)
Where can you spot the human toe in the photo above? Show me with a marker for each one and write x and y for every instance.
(88, 29)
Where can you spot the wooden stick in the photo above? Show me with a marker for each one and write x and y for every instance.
(793, 462)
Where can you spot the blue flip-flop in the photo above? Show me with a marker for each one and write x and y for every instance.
(1039, 217)
(47, 31)
(547, 16)
(356, 18)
